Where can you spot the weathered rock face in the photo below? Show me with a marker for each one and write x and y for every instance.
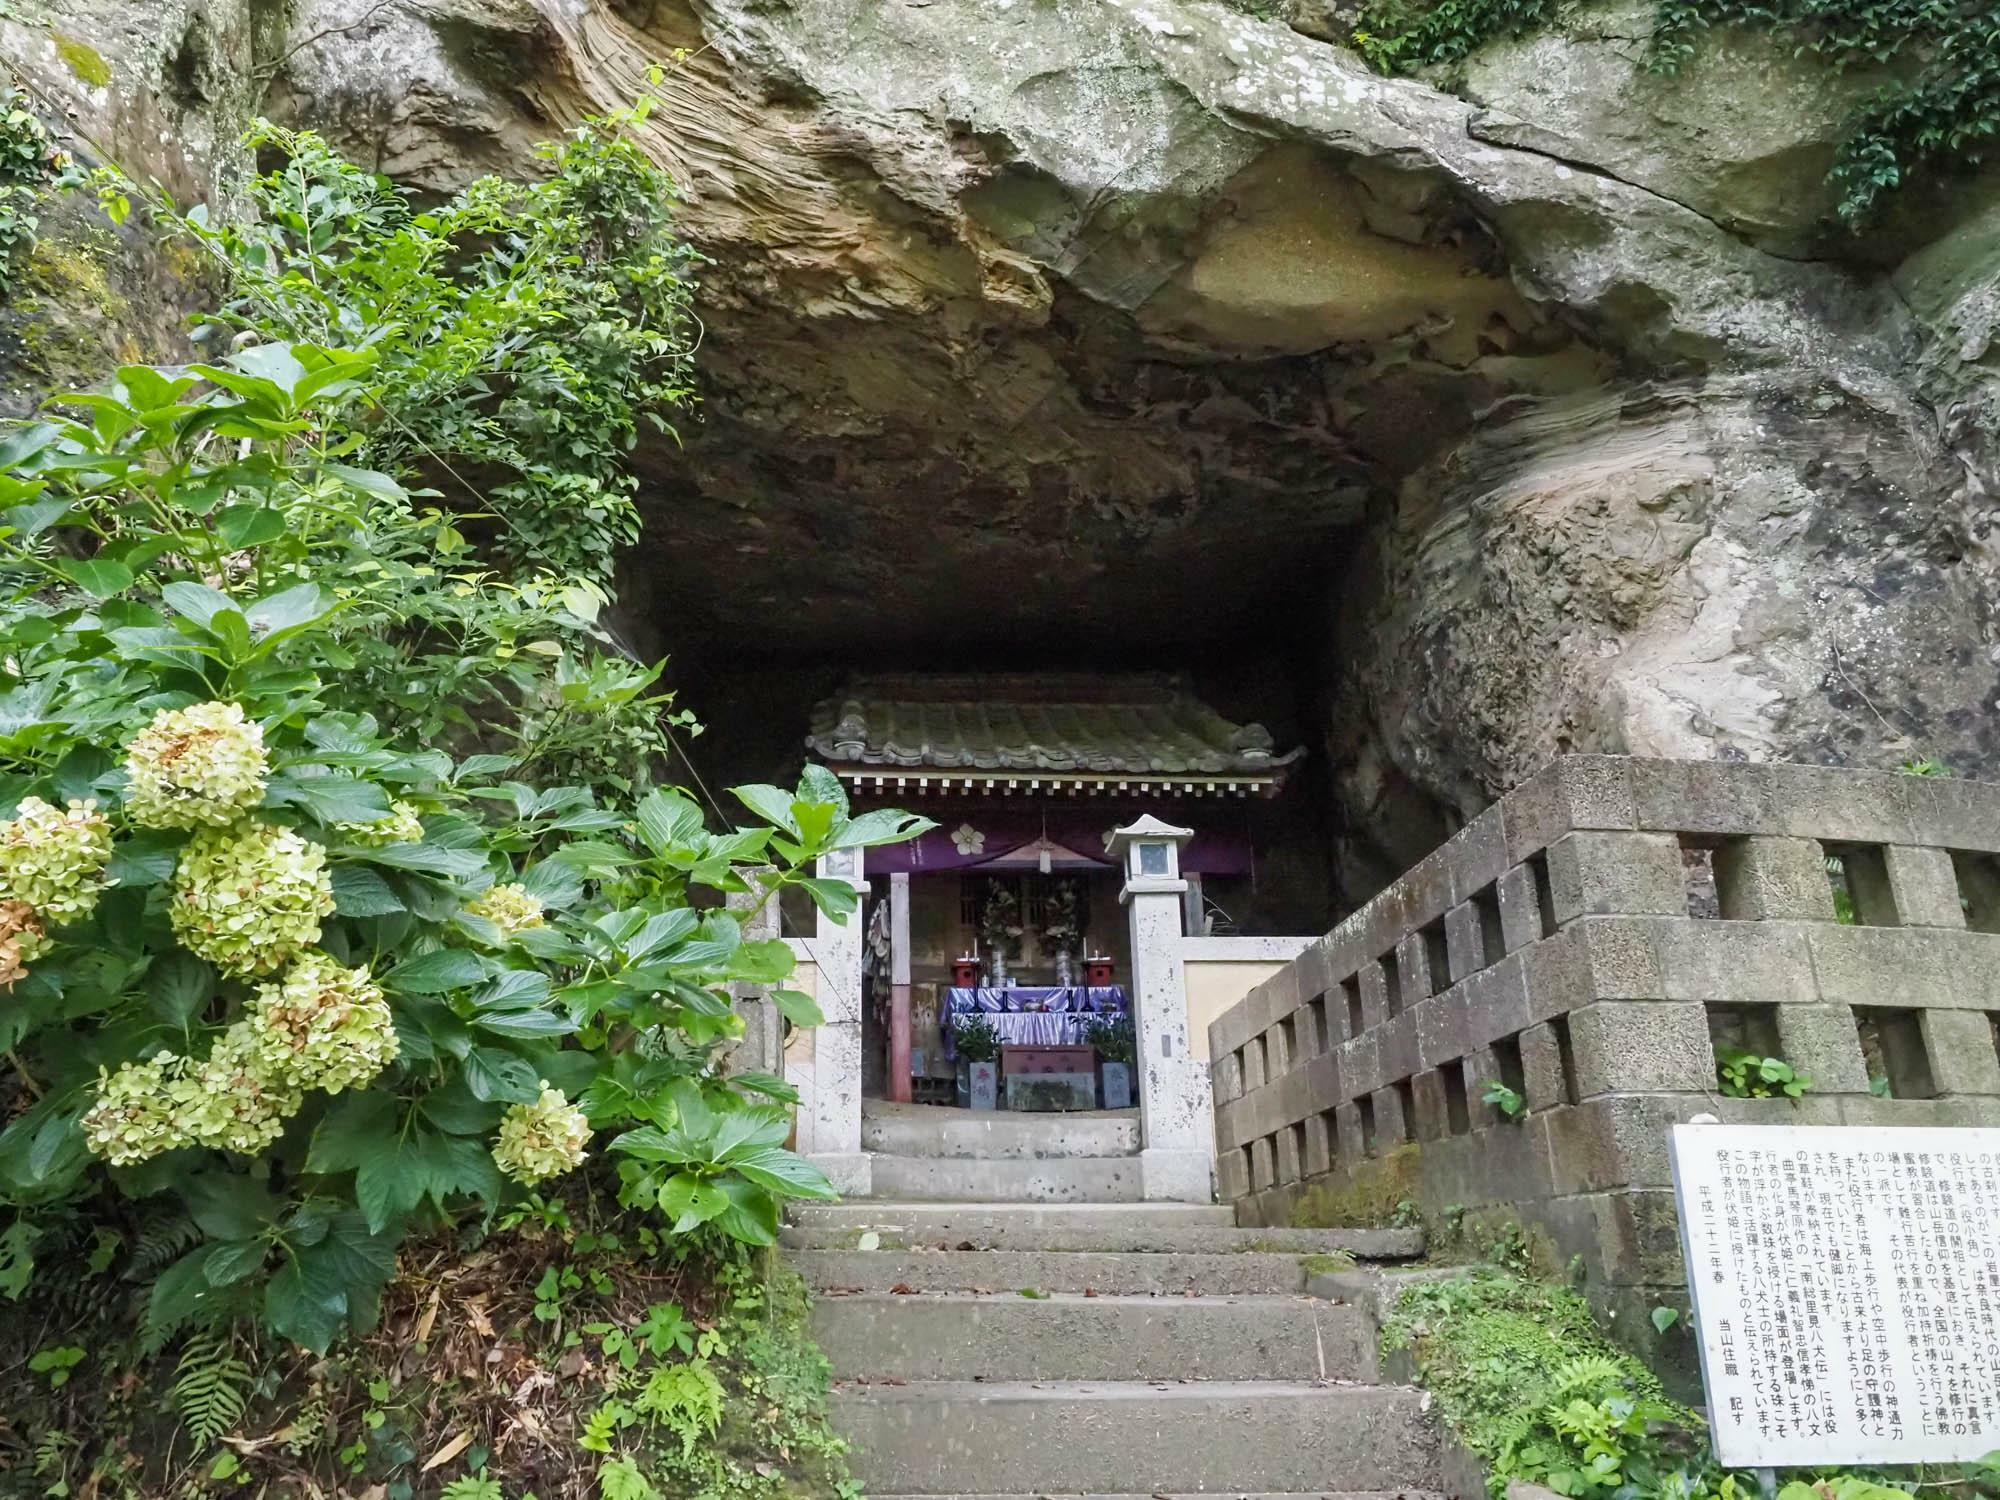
(160, 89)
(1553, 415)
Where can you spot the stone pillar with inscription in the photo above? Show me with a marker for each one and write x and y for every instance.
(1177, 1158)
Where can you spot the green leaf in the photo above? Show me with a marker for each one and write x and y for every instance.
(230, 1263)
(244, 526)
(798, 1007)
(229, 1207)
(764, 962)
(784, 1173)
(454, 1110)
(836, 898)
(23, 443)
(17, 1258)
(304, 1303)
(882, 826)
(357, 1128)
(495, 1075)
(198, 602)
(330, 799)
(514, 989)
(691, 1201)
(485, 765)
(77, 775)
(437, 973)
(752, 1215)
(368, 482)
(668, 821)
(390, 1183)
(278, 615)
(176, 1296)
(179, 986)
(525, 1025)
(768, 803)
(35, 518)
(768, 1084)
(360, 892)
(426, 858)
(97, 577)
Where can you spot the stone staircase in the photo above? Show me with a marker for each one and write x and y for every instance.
(926, 1153)
(1119, 1351)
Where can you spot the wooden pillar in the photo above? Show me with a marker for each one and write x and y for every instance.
(1191, 912)
(899, 987)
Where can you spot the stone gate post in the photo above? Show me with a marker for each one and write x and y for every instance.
(824, 1063)
(1176, 1161)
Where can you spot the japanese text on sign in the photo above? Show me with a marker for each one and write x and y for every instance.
(1846, 1287)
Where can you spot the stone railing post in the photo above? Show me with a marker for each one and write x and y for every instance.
(1176, 1121)
(824, 1063)
(761, 1047)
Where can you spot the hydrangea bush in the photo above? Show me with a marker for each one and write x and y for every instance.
(265, 960)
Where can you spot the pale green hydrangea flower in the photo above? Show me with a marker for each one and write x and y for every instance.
(324, 1027)
(53, 859)
(248, 899)
(541, 1140)
(233, 1102)
(196, 767)
(402, 824)
(511, 908)
(133, 1119)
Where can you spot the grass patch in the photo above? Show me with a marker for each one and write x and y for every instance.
(1532, 1385)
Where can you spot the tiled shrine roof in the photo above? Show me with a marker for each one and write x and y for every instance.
(1140, 725)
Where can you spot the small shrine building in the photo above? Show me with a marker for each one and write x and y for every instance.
(1017, 891)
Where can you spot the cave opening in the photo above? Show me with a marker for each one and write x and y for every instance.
(1250, 636)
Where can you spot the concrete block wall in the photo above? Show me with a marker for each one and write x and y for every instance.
(1588, 941)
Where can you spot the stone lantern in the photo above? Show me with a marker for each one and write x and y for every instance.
(1177, 1157)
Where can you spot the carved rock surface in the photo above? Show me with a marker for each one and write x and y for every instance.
(1548, 414)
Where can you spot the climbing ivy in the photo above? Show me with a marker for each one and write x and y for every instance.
(1941, 113)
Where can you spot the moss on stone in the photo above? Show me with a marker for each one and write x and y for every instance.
(83, 60)
(1495, 1235)
(1326, 1265)
(1377, 1194)
(64, 314)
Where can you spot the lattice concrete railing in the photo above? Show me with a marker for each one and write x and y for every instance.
(1590, 941)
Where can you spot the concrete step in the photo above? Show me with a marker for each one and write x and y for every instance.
(874, 1213)
(1234, 1438)
(1073, 1179)
(1000, 1135)
(1246, 1273)
(1067, 1336)
(1178, 1228)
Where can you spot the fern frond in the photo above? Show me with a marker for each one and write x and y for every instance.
(1593, 1376)
(161, 1240)
(211, 1386)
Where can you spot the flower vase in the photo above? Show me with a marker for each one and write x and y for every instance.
(1065, 968)
(997, 972)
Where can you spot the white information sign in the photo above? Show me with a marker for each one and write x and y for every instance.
(1846, 1286)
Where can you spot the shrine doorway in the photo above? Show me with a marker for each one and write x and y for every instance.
(999, 937)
